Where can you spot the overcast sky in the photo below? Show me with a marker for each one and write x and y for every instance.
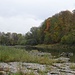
(20, 15)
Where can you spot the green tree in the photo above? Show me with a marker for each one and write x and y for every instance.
(68, 39)
(47, 39)
(14, 39)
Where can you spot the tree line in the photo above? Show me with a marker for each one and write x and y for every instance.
(60, 28)
(11, 39)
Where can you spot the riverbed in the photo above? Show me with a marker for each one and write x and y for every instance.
(22, 68)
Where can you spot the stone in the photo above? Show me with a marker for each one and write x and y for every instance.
(2, 73)
(63, 59)
(48, 73)
(66, 54)
(54, 69)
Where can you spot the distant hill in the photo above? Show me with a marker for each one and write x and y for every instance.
(60, 28)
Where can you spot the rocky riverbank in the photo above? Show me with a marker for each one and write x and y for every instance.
(22, 68)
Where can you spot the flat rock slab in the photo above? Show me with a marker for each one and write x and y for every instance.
(55, 69)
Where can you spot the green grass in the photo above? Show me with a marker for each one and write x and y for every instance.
(72, 66)
(11, 54)
(8, 54)
(31, 73)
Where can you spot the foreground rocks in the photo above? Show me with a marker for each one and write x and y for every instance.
(37, 69)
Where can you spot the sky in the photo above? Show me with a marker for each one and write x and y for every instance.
(20, 15)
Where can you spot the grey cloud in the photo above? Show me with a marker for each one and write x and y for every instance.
(39, 8)
(21, 15)
(17, 24)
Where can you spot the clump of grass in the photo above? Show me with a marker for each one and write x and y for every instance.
(30, 73)
(20, 73)
(72, 66)
(8, 54)
(46, 60)
(49, 68)
(42, 72)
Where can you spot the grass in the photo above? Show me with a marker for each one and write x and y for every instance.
(31, 73)
(72, 66)
(42, 73)
(10, 54)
